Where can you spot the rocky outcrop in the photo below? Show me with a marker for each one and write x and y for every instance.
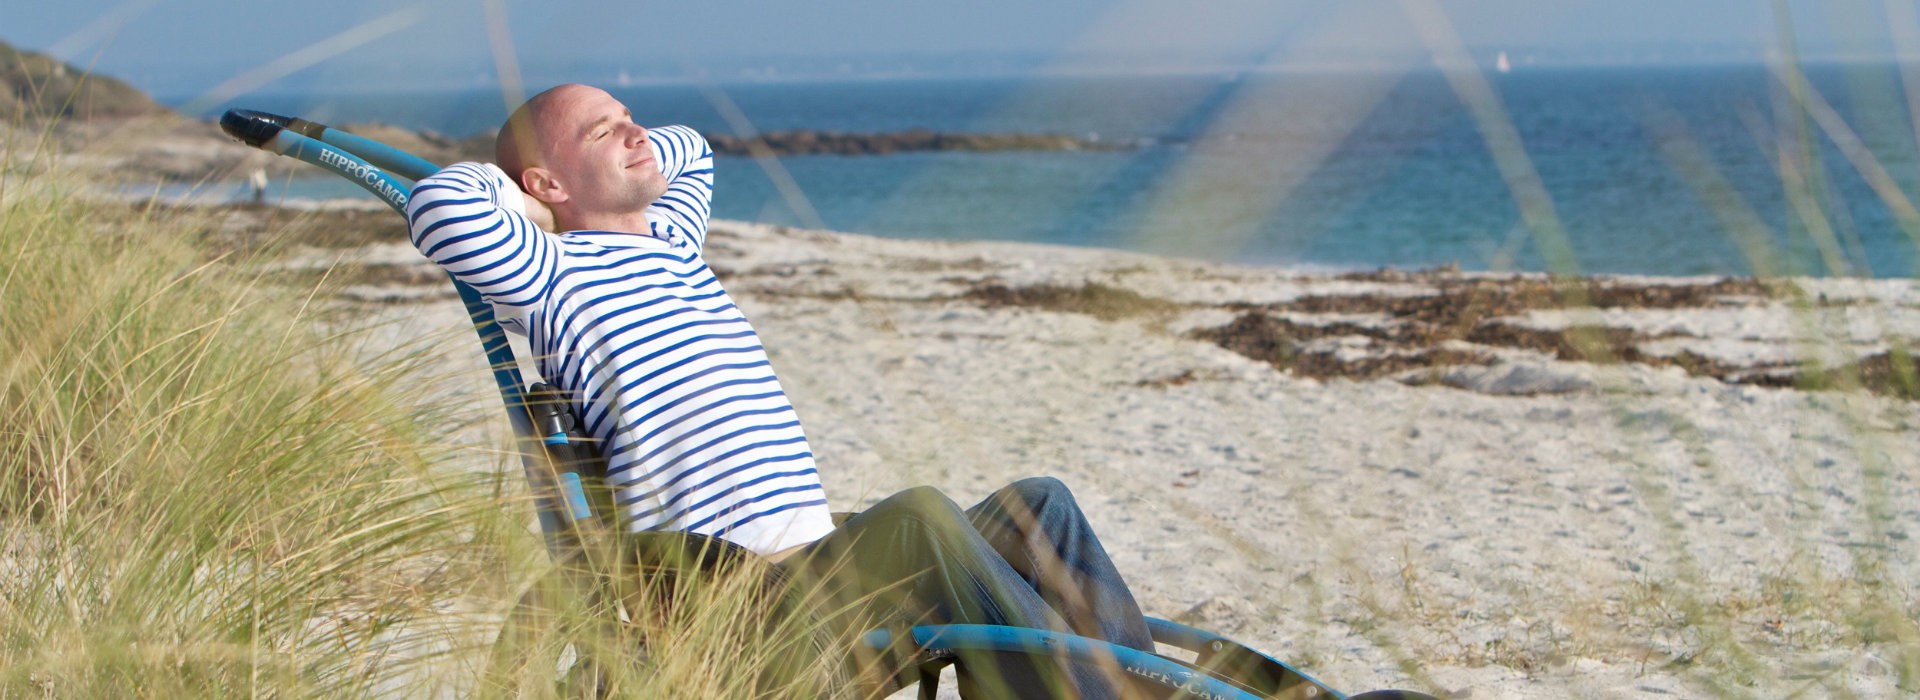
(446, 149)
(427, 144)
(190, 150)
(37, 86)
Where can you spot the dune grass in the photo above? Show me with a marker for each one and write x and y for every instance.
(204, 494)
(198, 493)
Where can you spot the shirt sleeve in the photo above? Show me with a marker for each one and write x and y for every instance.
(687, 161)
(470, 219)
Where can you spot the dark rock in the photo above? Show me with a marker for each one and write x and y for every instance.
(1093, 299)
(1283, 344)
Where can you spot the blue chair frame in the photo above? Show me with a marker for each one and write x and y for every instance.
(1223, 668)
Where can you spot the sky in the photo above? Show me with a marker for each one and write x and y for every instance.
(202, 47)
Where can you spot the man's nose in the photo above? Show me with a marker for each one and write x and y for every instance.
(636, 136)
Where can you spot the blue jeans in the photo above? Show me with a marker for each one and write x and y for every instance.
(1025, 557)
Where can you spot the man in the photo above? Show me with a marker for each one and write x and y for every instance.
(624, 315)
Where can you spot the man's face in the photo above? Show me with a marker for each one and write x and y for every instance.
(600, 158)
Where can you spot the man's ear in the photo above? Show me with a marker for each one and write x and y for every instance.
(539, 182)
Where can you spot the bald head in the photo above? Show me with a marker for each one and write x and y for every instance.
(518, 146)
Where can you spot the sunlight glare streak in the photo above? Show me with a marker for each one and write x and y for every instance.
(1799, 177)
(1682, 151)
(1195, 207)
(769, 163)
(513, 90)
(1126, 25)
(1863, 160)
(1496, 127)
(100, 31)
(303, 58)
(1239, 203)
(1903, 23)
(1802, 172)
(1238, 200)
(1874, 96)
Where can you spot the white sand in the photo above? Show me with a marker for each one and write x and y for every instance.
(1562, 530)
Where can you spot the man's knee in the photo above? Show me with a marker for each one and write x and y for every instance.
(921, 500)
(1042, 489)
(924, 508)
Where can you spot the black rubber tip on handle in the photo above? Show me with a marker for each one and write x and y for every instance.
(251, 127)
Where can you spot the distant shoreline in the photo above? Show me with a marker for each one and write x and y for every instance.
(1317, 171)
(608, 77)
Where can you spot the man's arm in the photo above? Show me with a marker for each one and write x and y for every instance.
(472, 220)
(687, 161)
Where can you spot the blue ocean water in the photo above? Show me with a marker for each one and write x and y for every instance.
(1670, 171)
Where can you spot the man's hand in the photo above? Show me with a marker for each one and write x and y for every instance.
(541, 214)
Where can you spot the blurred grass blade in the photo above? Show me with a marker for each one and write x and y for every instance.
(1503, 140)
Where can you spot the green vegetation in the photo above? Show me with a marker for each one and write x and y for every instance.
(202, 494)
(198, 492)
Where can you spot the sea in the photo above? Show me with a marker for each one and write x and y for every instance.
(1699, 170)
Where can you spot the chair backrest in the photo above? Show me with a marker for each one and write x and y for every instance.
(388, 173)
(576, 459)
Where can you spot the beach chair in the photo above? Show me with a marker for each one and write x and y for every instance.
(563, 474)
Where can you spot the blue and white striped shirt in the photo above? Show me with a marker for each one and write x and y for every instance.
(662, 367)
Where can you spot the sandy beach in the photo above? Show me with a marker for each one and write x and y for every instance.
(1442, 481)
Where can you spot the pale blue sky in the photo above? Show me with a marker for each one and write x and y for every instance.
(192, 46)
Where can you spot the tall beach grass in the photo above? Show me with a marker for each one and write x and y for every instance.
(204, 494)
